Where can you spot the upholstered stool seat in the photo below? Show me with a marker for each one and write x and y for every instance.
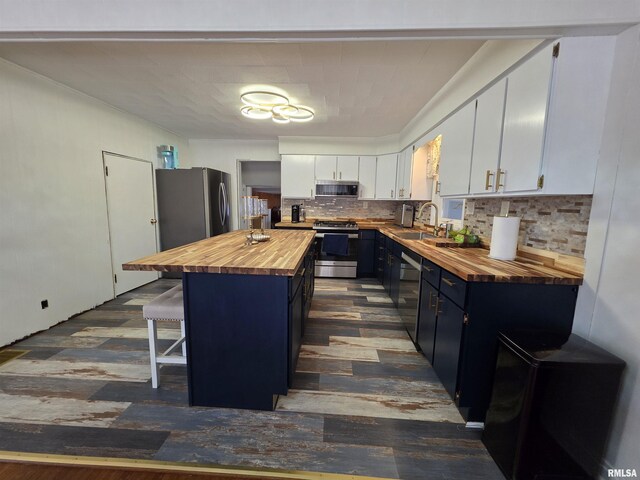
(165, 307)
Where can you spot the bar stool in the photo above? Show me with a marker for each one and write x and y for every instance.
(165, 307)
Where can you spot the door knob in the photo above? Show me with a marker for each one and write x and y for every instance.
(153, 221)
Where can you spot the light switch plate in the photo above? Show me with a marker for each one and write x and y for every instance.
(504, 208)
(471, 207)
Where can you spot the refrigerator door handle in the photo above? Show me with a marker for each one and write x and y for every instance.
(221, 202)
(225, 204)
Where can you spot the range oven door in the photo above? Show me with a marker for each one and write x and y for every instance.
(336, 266)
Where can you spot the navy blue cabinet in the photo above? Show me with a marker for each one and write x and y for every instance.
(447, 344)
(367, 253)
(427, 319)
(394, 281)
(381, 258)
(296, 318)
(243, 335)
(458, 328)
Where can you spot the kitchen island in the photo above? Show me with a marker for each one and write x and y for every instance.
(244, 313)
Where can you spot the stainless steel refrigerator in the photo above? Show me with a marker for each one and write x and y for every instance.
(192, 204)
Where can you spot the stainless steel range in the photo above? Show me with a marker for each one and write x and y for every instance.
(336, 248)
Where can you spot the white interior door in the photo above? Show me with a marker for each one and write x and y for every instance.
(132, 218)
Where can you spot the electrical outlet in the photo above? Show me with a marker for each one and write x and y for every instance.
(365, 205)
(504, 208)
(471, 207)
(44, 304)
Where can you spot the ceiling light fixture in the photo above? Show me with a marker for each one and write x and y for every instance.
(262, 104)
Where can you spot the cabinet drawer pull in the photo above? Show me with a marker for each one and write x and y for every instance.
(448, 282)
(428, 269)
(487, 184)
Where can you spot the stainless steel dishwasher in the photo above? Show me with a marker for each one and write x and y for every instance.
(409, 292)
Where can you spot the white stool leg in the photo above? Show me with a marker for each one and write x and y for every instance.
(153, 352)
(184, 335)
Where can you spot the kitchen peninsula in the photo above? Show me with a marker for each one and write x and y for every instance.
(245, 307)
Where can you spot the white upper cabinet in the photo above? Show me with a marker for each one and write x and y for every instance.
(577, 109)
(326, 167)
(297, 177)
(455, 151)
(421, 178)
(487, 139)
(367, 178)
(403, 184)
(386, 170)
(524, 124)
(331, 167)
(347, 168)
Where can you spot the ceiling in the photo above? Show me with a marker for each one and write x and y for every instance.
(357, 88)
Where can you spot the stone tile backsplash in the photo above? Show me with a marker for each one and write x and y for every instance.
(555, 223)
(343, 208)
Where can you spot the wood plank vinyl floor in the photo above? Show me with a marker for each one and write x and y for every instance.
(363, 403)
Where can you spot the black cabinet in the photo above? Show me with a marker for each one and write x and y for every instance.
(552, 404)
(367, 253)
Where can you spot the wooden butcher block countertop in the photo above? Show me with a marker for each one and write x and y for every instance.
(227, 253)
(474, 264)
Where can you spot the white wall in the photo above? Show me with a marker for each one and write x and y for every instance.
(54, 241)
(607, 310)
(338, 145)
(224, 155)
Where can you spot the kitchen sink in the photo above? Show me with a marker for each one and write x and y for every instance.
(415, 235)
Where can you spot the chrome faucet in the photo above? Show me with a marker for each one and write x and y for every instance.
(435, 223)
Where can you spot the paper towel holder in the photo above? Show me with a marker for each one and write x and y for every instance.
(504, 237)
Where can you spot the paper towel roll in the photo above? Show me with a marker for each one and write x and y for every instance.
(504, 238)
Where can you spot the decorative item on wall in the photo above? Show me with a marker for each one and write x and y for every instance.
(168, 154)
(263, 103)
(433, 156)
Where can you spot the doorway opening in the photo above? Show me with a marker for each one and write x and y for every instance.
(260, 179)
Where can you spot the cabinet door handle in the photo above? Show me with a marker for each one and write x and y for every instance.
(487, 185)
(439, 303)
(448, 282)
(340, 175)
(391, 193)
(334, 175)
(499, 175)
(428, 269)
(311, 192)
(437, 188)
(430, 298)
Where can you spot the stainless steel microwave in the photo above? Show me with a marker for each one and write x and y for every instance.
(336, 188)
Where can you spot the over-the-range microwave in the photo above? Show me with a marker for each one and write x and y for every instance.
(336, 188)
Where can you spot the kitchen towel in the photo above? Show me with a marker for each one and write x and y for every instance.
(504, 238)
(335, 244)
